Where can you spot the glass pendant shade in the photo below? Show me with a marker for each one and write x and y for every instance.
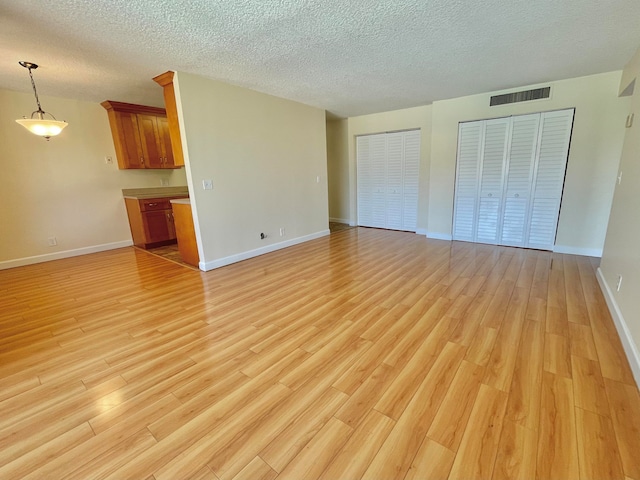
(40, 126)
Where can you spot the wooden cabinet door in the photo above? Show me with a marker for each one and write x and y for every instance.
(171, 224)
(164, 138)
(158, 228)
(129, 137)
(148, 128)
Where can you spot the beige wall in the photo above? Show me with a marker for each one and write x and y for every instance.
(622, 246)
(406, 119)
(264, 155)
(591, 171)
(338, 170)
(63, 187)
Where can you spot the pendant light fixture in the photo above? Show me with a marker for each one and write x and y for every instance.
(39, 125)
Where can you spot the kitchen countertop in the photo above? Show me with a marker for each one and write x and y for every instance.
(181, 201)
(153, 192)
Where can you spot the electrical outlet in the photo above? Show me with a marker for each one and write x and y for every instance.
(52, 241)
(318, 179)
(619, 284)
(108, 160)
(164, 182)
(282, 231)
(620, 178)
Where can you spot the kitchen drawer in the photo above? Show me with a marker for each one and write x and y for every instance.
(154, 204)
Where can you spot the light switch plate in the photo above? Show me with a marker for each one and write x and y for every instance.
(207, 184)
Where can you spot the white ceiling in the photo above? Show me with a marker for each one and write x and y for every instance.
(350, 57)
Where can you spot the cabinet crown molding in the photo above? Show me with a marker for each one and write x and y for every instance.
(133, 108)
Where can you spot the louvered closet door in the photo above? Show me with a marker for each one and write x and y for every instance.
(378, 155)
(467, 180)
(494, 151)
(554, 139)
(410, 184)
(388, 166)
(365, 183)
(520, 167)
(393, 210)
(509, 179)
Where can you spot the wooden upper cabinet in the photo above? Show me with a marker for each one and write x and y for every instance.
(126, 137)
(140, 135)
(165, 142)
(166, 81)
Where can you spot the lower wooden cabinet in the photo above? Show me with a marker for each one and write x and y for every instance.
(151, 221)
(187, 245)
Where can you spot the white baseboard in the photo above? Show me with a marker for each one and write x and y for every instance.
(439, 236)
(421, 231)
(238, 257)
(585, 252)
(630, 348)
(340, 220)
(21, 262)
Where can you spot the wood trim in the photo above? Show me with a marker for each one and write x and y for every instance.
(166, 81)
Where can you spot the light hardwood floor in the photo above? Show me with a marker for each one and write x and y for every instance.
(367, 354)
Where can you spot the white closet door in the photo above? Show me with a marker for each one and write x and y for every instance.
(365, 182)
(554, 139)
(410, 184)
(395, 151)
(494, 152)
(519, 176)
(509, 179)
(378, 154)
(467, 180)
(387, 181)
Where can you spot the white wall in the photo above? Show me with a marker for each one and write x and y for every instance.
(591, 171)
(622, 246)
(338, 170)
(263, 154)
(405, 119)
(63, 187)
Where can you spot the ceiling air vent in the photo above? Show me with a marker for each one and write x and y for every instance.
(524, 96)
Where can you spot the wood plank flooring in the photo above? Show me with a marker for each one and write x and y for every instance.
(367, 354)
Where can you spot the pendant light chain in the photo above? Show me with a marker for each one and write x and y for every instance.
(33, 84)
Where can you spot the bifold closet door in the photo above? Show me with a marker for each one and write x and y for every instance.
(387, 179)
(548, 181)
(509, 179)
(519, 178)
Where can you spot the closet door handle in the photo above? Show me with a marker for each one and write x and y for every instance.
(517, 195)
(490, 195)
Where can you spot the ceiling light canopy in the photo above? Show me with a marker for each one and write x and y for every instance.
(39, 125)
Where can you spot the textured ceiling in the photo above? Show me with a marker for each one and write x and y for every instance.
(348, 57)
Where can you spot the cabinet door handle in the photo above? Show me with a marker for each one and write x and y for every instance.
(142, 160)
(151, 204)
